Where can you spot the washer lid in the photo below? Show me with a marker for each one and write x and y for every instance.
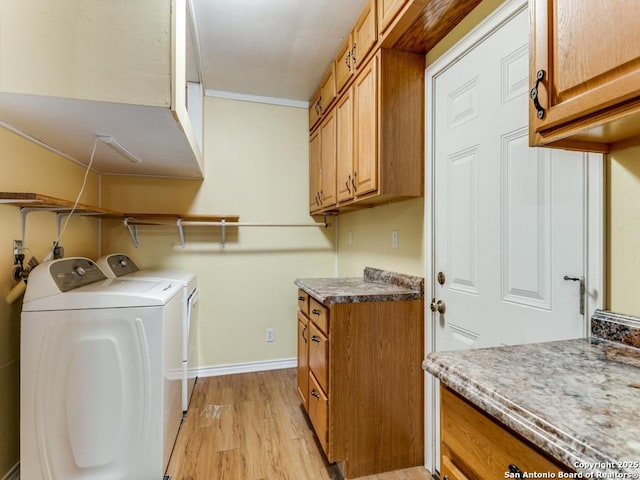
(184, 277)
(43, 293)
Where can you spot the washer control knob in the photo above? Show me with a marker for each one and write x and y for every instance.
(123, 262)
(79, 270)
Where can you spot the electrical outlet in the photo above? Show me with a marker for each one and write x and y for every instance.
(269, 335)
(394, 238)
(18, 250)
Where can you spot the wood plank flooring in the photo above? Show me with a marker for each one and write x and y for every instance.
(251, 427)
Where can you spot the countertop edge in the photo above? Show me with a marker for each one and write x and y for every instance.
(556, 443)
(396, 292)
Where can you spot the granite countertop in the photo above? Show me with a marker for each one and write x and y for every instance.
(375, 286)
(578, 400)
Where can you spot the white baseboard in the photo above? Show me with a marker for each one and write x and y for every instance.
(247, 367)
(13, 474)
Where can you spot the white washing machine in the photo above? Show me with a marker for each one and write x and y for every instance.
(119, 265)
(96, 398)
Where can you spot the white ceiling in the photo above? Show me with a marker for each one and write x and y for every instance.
(270, 48)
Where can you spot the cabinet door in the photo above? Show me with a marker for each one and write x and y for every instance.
(344, 64)
(364, 33)
(319, 412)
(314, 171)
(303, 360)
(314, 109)
(590, 58)
(319, 356)
(328, 160)
(483, 448)
(344, 149)
(387, 10)
(327, 89)
(366, 129)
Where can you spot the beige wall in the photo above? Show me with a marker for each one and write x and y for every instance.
(623, 256)
(371, 231)
(27, 167)
(256, 165)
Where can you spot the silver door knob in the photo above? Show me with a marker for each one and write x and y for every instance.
(438, 306)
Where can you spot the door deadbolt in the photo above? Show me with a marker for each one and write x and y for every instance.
(441, 278)
(438, 306)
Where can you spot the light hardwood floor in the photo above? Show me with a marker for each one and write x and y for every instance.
(251, 427)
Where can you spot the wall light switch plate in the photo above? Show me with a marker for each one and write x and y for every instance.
(394, 238)
(350, 237)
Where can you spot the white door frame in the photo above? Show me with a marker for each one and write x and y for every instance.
(593, 221)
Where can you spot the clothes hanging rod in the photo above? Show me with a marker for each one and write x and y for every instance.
(132, 225)
(194, 223)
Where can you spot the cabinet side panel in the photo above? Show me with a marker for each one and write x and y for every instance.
(401, 149)
(108, 51)
(376, 389)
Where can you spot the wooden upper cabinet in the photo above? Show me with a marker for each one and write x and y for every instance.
(344, 147)
(314, 109)
(388, 138)
(344, 64)
(328, 160)
(314, 171)
(357, 45)
(322, 98)
(387, 10)
(328, 89)
(365, 171)
(591, 62)
(364, 34)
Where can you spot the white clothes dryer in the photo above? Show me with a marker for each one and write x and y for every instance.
(119, 265)
(96, 398)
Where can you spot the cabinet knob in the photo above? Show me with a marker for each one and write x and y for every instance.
(347, 183)
(534, 94)
(353, 53)
(315, 311)
(314, 393)
(303, 337)
(300, 299)
(315, 339)
(347, 60)
(353, 181)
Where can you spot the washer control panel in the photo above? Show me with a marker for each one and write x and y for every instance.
(70, 273)
(121, 264)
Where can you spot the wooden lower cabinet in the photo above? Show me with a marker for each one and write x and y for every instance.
(303, 359)
(475, 446)
(365, 384)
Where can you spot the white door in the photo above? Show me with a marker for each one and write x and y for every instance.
(508, 219)
(505, 223)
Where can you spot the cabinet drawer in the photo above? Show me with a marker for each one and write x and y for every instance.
(319, 314)
(475, 444)
(319, 356)
(303, 302)
(449, 471)
(319, 411)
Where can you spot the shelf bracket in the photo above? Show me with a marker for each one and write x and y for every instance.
(133, 231)
(224, 232)
(24, 211)
(180, 231)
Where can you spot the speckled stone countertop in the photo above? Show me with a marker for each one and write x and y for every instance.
(375, 286)
(575, 399)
